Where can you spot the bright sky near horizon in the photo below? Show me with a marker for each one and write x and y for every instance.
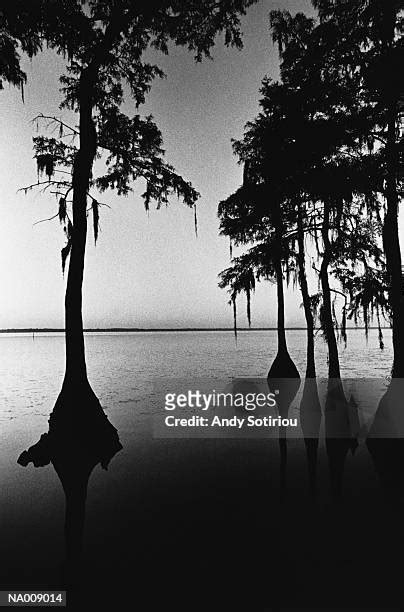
(146, 270)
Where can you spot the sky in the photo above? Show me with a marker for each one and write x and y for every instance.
(147, 270)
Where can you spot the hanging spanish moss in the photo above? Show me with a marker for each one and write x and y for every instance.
(96, 219)
(343, 325)
(248, 295)
(239, 278)
(45, 164)
(195, 220)
(334, 315)
(233, 301)
(62, 210)
(317, 243)
(65, 252)
(231, 249)
(246, 173)
(366, 321)
(323, 326)
(379, 328)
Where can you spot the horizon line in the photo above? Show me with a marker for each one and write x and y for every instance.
(22, 330)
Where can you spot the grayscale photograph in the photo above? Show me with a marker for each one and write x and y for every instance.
(202, 305)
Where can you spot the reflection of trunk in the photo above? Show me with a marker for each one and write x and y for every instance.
(76, 442)
(310, 409)
(333, 359)
(74, 522)
(385, 440)
(74, 480)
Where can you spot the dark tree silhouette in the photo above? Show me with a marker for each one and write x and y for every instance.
(105, 52)
(288, 32)
(322, 191)
(261, 153)
(310, 407)
(261, 211)
(104, 44)
(19, 32)
(343, 171)
(369, 50)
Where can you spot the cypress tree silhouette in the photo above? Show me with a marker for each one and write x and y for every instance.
(369, 46)
(340, 172)
(104, 47)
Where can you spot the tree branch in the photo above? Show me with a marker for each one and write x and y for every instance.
(95, 200)
(43, 220)
(53, 119)
(46, 183)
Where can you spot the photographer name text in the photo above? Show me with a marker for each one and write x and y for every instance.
(232, 422)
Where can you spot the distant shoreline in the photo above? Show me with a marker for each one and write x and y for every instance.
(111, 330)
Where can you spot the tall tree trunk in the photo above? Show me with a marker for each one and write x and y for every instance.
(310, 408)
(385, 440)
(310, 362)
(283, 375)
(339, 438)
(79, 431)
(76, 372)
(333, 359)
(282, 347)
(391, 241)
(391, 244)
(80, 435)
(283, 366)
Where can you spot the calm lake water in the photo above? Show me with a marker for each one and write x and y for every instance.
(124, 366)
(148, 477)
(125, 370)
